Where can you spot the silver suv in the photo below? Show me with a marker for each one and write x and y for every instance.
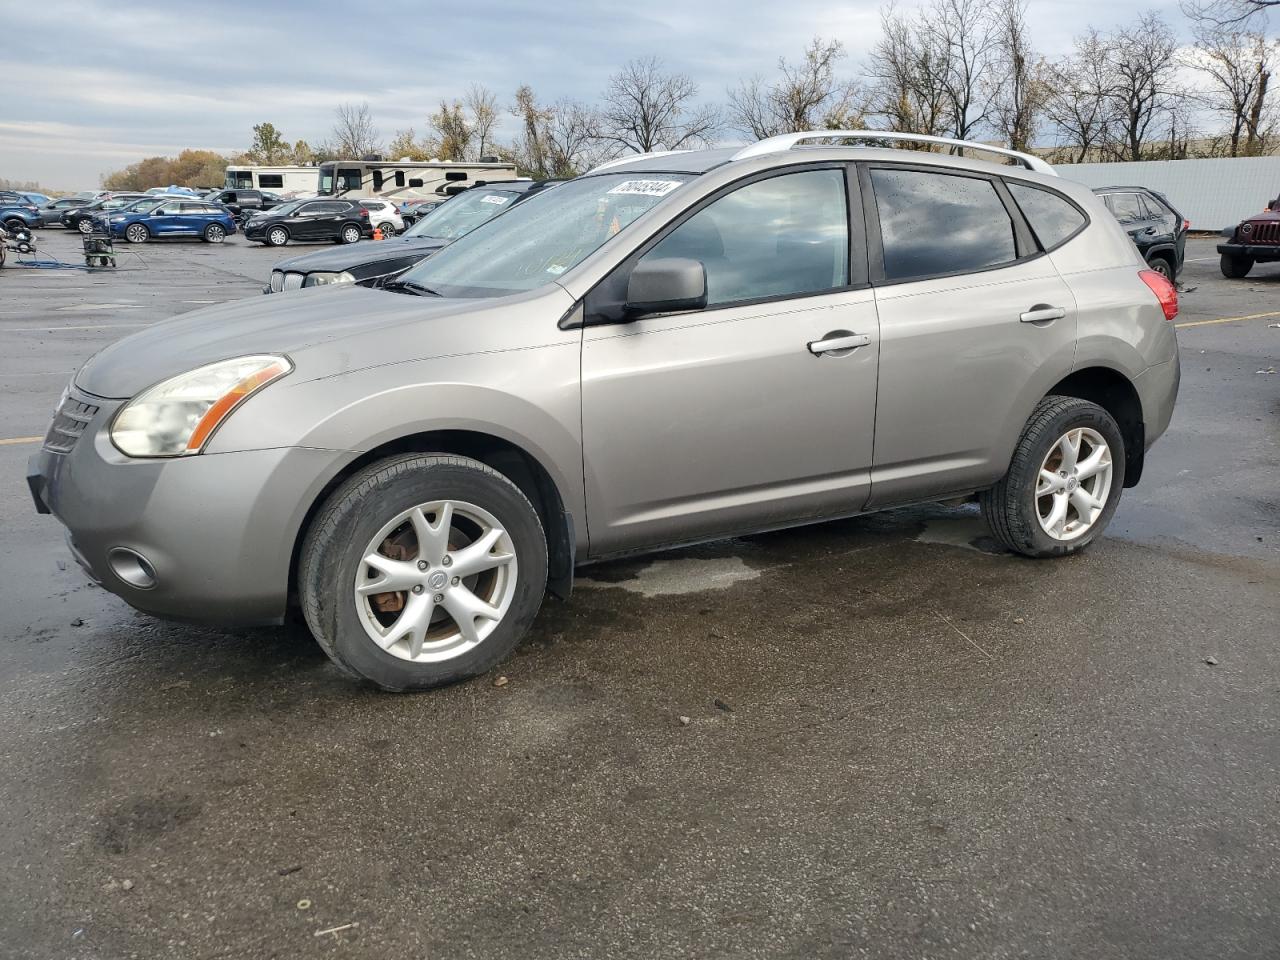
(672, 348)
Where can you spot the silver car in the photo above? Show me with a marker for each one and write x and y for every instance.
(672, 348)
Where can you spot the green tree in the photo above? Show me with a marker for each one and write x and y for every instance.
(269, 147)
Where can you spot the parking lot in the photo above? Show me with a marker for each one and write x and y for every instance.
(875, 737)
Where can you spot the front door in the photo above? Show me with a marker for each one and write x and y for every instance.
(756, 411)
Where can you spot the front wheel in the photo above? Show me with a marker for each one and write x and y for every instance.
(14, 225)
(137, 233)
(277, 237)
(85, 225)
(1234, 268)
(215, 233)
(1064, 480)
(350, 233)
(421, 570)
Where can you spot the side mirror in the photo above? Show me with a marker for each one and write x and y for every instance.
(665, 285)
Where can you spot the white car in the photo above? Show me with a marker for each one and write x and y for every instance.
(384, 216)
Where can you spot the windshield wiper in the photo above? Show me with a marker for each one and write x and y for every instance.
(417, 289)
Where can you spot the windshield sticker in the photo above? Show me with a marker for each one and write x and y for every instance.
(647, 188)
(555, 269)
(494, 198)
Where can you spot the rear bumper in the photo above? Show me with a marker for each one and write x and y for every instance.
(1253, 251)
(1157, 388)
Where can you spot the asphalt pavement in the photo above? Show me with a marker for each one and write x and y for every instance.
(880, 737)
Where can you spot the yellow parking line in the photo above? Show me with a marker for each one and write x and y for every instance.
(1205, 323)
(13, 440)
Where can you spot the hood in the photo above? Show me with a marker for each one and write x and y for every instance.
(325, 331)
(352, 255)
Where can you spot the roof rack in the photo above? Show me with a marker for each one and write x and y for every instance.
(788, 140)
(632, 157)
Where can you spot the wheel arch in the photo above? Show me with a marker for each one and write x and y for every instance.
(521, 467)
(1115, 393)
(1165, 251)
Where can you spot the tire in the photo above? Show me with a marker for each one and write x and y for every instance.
(387, 230)
(1235, 268)
(276, 237)
(364, 510)
(1012, 507)
(1162, 266)
(137, 233)
(14, 224)
(350, 234)
(84, 225)
(215, 233)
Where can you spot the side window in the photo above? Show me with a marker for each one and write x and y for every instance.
(271, 181)
(785, 236)
(350, 178)
(377, 180)
(1051, 217)
(399, 178)
(1127, 207)
(937, 223)
(191, 207)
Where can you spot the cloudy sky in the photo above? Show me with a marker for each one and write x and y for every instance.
(93, 86)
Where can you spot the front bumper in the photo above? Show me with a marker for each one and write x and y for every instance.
(1253, 251)
(218, 529)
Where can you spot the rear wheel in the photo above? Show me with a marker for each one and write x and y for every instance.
(421, 570)
(388, 230)
(1235, 267)
(277, 237)
(1162, 266)
(350, 233)
(137, 233)
(1064, 480)
(215, 233)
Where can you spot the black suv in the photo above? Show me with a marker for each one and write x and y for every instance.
(1158, 230)
(81, 218)
(241, 203)
(327, 218)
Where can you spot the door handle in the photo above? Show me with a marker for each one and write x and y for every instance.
(1042, 313)
(838, 341)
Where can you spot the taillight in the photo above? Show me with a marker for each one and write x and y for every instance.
(1165, 292)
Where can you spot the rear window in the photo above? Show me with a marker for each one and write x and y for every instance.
(1052, 218)
(937, 223)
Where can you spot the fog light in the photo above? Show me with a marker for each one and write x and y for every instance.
(132, 567)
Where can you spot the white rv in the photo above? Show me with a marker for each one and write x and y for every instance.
(288, 180)
(399, 180)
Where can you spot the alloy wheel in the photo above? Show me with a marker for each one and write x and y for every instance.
(215, 233)
(85, 225)
(350, 235)
(136, 233)
(278, 237)
(1073, 484)
(436, 580)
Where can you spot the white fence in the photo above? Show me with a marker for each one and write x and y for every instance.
(1212, 194)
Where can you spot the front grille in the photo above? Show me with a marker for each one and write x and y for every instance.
(277, 281)
(69, 421)
(1268, 231)
(292, 281)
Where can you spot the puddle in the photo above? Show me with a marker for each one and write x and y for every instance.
(663, 578)
(966, 530)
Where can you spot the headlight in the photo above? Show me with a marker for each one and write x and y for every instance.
(178, 416)
(324, 279)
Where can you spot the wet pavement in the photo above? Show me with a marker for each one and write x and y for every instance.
(900, 741)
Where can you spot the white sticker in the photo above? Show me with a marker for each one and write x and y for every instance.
(647, 188)
(555, 269)
(494, 198)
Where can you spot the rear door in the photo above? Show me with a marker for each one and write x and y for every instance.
(704, 422)
(1136, 218)
(975, 325)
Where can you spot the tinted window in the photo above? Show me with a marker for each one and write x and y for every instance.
(1126, 207)
(377, 179)
(783, 236)
(1051, 217)
(349, 178)
(934, 223)
(271, 181)
(192, 207)
(399, 178)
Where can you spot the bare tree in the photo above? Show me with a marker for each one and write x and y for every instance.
(354, 134)
(1142, 83)
(482, 105)
(646, 109)
(1237, 63)
(805, 96)
(1021, 93)
(556, 140)
(964, 36)
(906, 91)
(1076, 103)
(1229, 13)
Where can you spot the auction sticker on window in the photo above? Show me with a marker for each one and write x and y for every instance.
(493, 198)
(647, 188)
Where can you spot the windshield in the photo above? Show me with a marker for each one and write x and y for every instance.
(326, 181)
(542, 237)
(462, 214)
(285, 208)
